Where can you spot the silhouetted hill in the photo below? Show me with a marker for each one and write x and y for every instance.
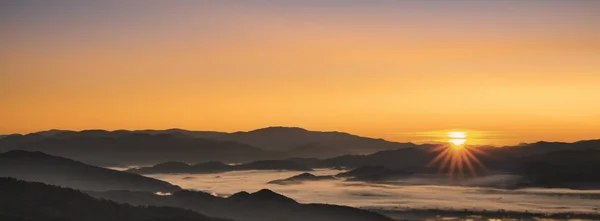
(547, 147)
(264, 205)
(40, 167)
(22, 200)
(563, 169)
(289, 138)
(265, 195)
(301, 178)
(218, 167)
(373, 173)
(131, 148)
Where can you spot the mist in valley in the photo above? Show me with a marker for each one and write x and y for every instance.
(420, 192)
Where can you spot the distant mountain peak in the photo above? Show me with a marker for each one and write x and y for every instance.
(263, 195)
(291, 129)
(269, 195)
(211, 164)
(265, 192)
(95, 130)
(240, 195)
(279, 129)
(170, 164)
(300, 178)
(305, 175)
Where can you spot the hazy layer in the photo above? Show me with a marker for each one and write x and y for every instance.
(422, 192)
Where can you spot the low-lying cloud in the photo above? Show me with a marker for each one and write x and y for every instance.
(421, 192)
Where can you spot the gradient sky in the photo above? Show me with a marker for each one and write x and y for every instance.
(514, 71)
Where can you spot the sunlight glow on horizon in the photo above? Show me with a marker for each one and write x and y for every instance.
(457, 142)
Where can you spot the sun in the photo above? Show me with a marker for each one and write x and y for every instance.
(457, 158)
(457, 138)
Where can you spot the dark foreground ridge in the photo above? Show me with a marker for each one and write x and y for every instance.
(26, 201)
(263, 205)
(41, 167)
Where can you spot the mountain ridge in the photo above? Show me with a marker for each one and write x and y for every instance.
(118, 147)
(41, 167)
(22, 200)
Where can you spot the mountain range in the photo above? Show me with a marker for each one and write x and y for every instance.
(274, 144)
(143, 147)
(27, 200)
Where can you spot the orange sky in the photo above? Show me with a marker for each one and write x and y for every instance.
(523, 71)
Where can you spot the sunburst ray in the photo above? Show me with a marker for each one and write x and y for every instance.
(456, 161)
